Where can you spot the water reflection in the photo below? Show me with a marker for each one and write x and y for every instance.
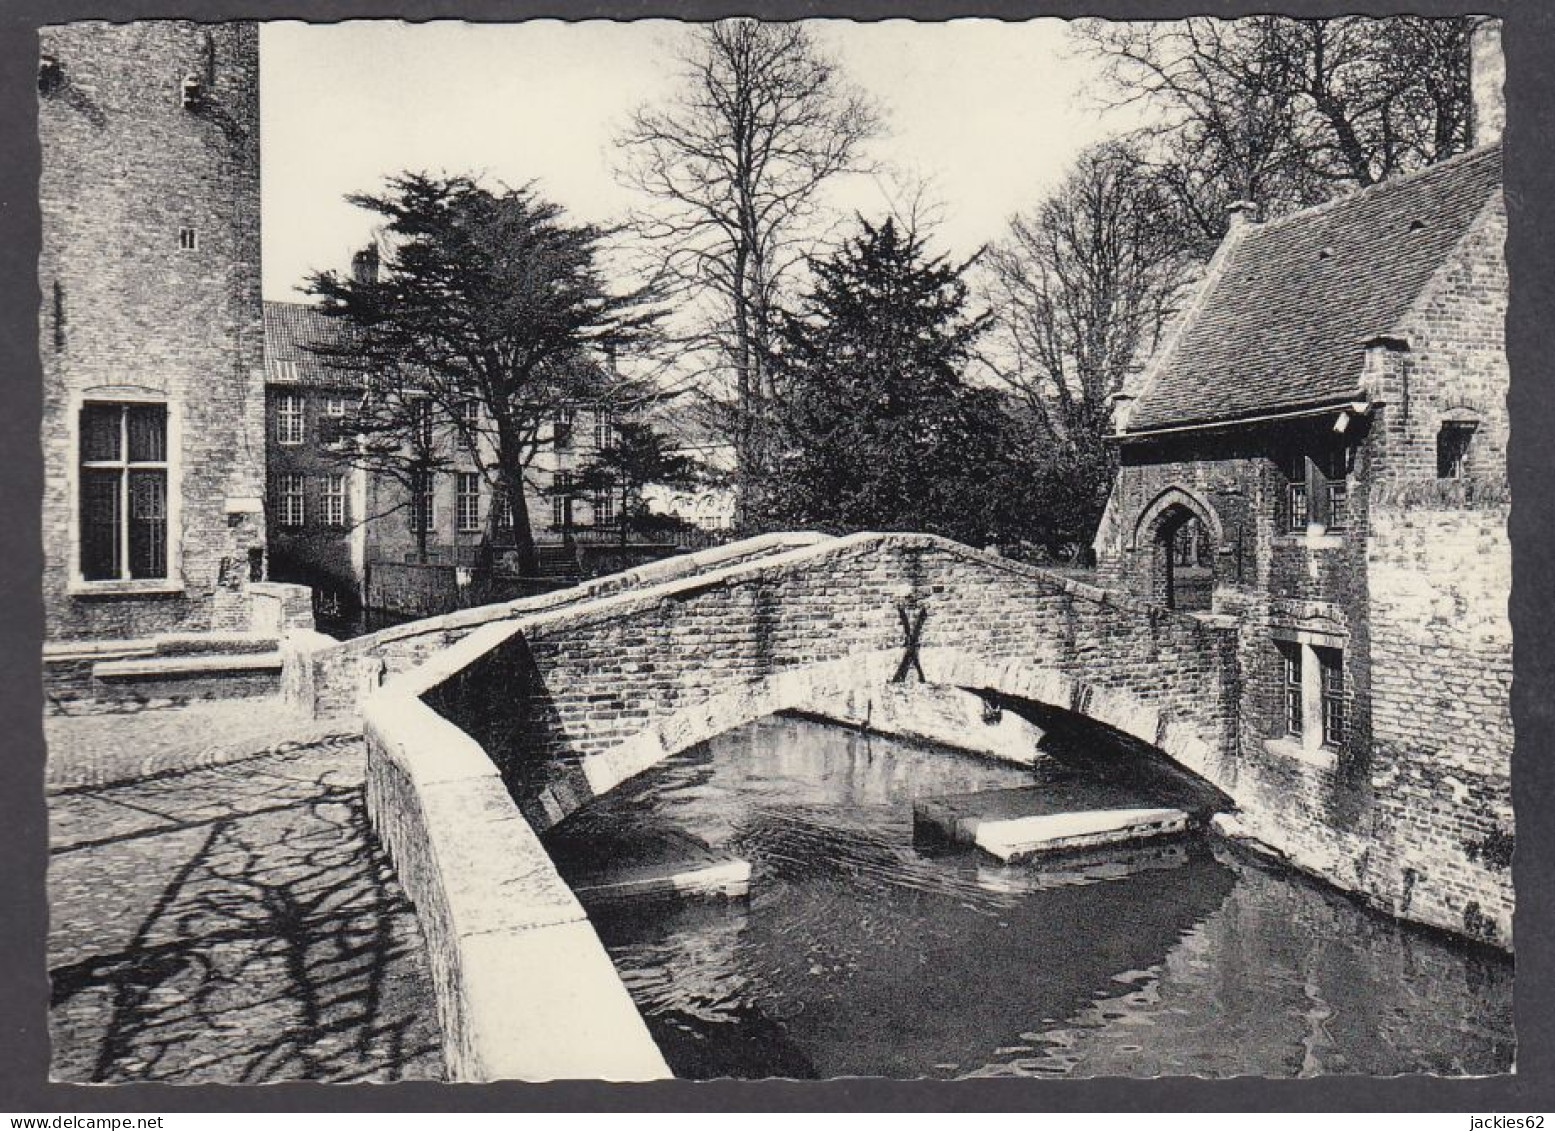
(861, 953)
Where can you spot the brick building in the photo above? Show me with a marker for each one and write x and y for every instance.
(316, 499)
(150, 326)
(1318, 451)
(458, 507)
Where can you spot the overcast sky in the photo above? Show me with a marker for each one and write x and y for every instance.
(993, 113)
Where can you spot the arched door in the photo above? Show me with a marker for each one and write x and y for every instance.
(1187, 554)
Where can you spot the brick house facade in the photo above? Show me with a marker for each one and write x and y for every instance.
(458, 510)
(1318, 450)
(316, 500)
(330, 522)
(150, 332)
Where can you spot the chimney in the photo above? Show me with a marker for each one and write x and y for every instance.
(364, 266)
(1241, 213)
(1487, 80)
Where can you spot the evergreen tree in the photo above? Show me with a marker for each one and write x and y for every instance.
(487, 297)
(881, 430)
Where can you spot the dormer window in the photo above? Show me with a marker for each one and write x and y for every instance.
(1317, 488)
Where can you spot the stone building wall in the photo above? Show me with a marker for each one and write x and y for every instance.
(1453, 366)
(127, 311)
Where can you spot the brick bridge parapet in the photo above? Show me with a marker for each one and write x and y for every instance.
(602, 689)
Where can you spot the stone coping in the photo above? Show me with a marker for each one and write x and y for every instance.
(653, 573)
(524, 987)
(629, 602)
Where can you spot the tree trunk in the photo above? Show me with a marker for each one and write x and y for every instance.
(418, 513)
(523, 535)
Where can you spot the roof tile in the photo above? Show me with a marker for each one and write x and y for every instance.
(1284, 323)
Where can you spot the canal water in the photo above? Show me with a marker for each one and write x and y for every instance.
(859, 952)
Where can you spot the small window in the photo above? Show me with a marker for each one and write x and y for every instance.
(467, 501)
(188, 239)
(1290, 657)
(421, 423)
(604, 429)
(604, 508)
(504, 507)
(291, 503)
(1316, 489)
(562, 421)
(423, 510)
(1452, 448)
(334, 406)
(561, 500)
(1331, 661)
(288, 418)
(332, 496)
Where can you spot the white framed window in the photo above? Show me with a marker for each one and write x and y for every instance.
(123, 507)
(332, 500)
(604, 428)
(335, 405)
(467, 501)
(285, 370)
(288, 418)
(423, 510)
(291, 499)
(504, 507)
(561, 500)
(604, 507)
(561, 427)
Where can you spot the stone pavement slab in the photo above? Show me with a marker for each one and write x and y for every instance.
(233, 923)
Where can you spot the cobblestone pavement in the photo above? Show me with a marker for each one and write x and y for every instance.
(87, 750)
(230, 923)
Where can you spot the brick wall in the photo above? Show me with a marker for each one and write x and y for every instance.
(699, 654)
(124, 307)
(1455, 364)
(1413, 811)
(1442, 731)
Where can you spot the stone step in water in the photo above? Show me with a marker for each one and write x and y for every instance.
(1018, 824)
(728, 879)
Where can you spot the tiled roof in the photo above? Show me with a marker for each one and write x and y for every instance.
(1283, 323)
(290, 327)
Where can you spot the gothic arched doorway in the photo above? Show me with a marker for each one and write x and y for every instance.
(1185, 556)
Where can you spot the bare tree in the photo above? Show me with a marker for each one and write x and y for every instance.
(734, 167)
(1286, 112)
(1081, 290)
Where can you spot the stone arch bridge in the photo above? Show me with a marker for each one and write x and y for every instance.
(551, 701)
(572, 694)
